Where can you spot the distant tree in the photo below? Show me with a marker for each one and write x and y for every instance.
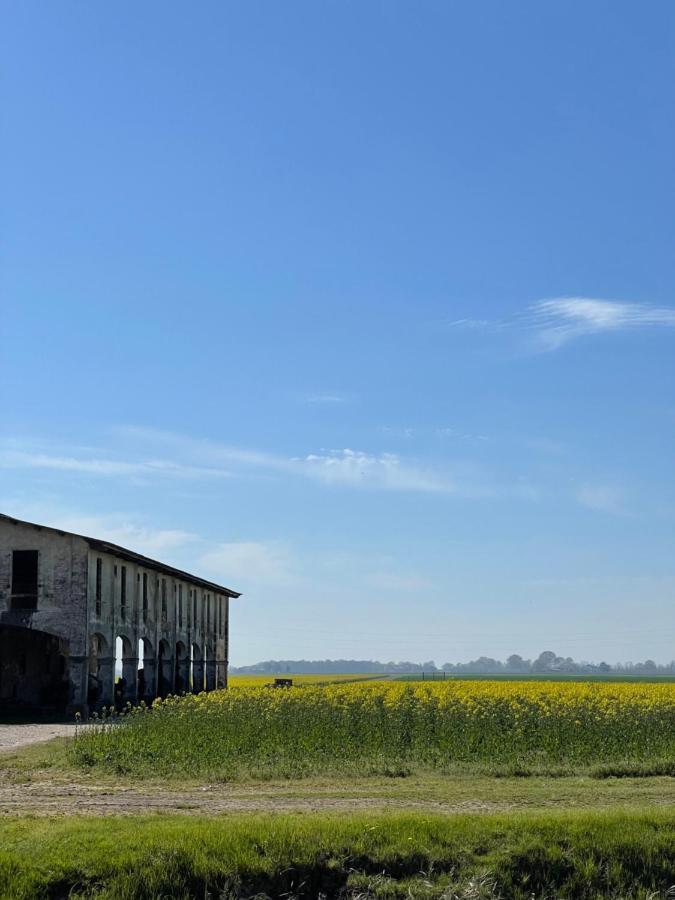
(544, 662)
(604, 668)
(516, 663)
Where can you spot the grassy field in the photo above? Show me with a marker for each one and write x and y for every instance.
(472, 790)
(575, 856)
(395, 728)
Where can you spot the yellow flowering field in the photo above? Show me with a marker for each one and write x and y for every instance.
(376, 726)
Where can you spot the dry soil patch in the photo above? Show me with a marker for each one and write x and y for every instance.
(13, 736)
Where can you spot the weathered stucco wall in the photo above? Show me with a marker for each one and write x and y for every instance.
(93, 601)
(32, 668)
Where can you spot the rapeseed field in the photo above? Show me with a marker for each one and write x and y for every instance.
(390, 727)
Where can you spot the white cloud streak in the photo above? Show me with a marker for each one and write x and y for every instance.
(555, 322)
(201, 459)
(205, 459)
(563, 319)
(118, 529)
(386, 472)
(17, 459)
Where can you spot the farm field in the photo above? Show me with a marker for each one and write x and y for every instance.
(354, 790)
(394, 728)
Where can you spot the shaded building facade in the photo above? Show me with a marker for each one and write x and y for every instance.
(74, 609)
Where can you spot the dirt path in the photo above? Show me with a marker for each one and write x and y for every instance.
(49, 793)
(36, 780)
(48, 799)
(13, 736)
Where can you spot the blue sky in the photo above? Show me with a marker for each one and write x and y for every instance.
(365, 309)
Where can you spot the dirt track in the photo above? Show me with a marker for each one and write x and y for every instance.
(53, 793)
(13, 736)
(50, 798)
(36, 788)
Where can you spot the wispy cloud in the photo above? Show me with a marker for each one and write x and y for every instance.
(558, 321)
(191, 458)
(470, 324)
(384, 472)
(552, 323)
(326, 399)
(101, 466)
(121, 529)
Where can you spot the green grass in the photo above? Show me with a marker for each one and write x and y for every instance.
(584, 856)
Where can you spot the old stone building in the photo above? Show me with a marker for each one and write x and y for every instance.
(85, 623)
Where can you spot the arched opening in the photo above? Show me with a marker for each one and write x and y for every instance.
(165, 667)
(33, 670)
(182, 669)
(126, 671)
(196, 669)
(147, 671)
(101, 674)
(209, 668)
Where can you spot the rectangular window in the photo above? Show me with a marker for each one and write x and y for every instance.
(145, 596)
(123, 592)
(180, 605)
(208, 612)
(194, 609)
(163, 599)
(222, 615)
(189, 608)
(99, 586)
(24, 579)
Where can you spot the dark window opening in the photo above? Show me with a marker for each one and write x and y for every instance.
(99, 580)
(24, 579)
(163, 599)
(145, 596)
(123, 592)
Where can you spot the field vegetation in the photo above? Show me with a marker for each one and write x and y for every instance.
(521, 856)
(503, 728)
(311, 755)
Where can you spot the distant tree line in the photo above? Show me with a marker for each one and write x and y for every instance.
(548, 661)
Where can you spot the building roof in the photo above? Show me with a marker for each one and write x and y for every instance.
(130, 555)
